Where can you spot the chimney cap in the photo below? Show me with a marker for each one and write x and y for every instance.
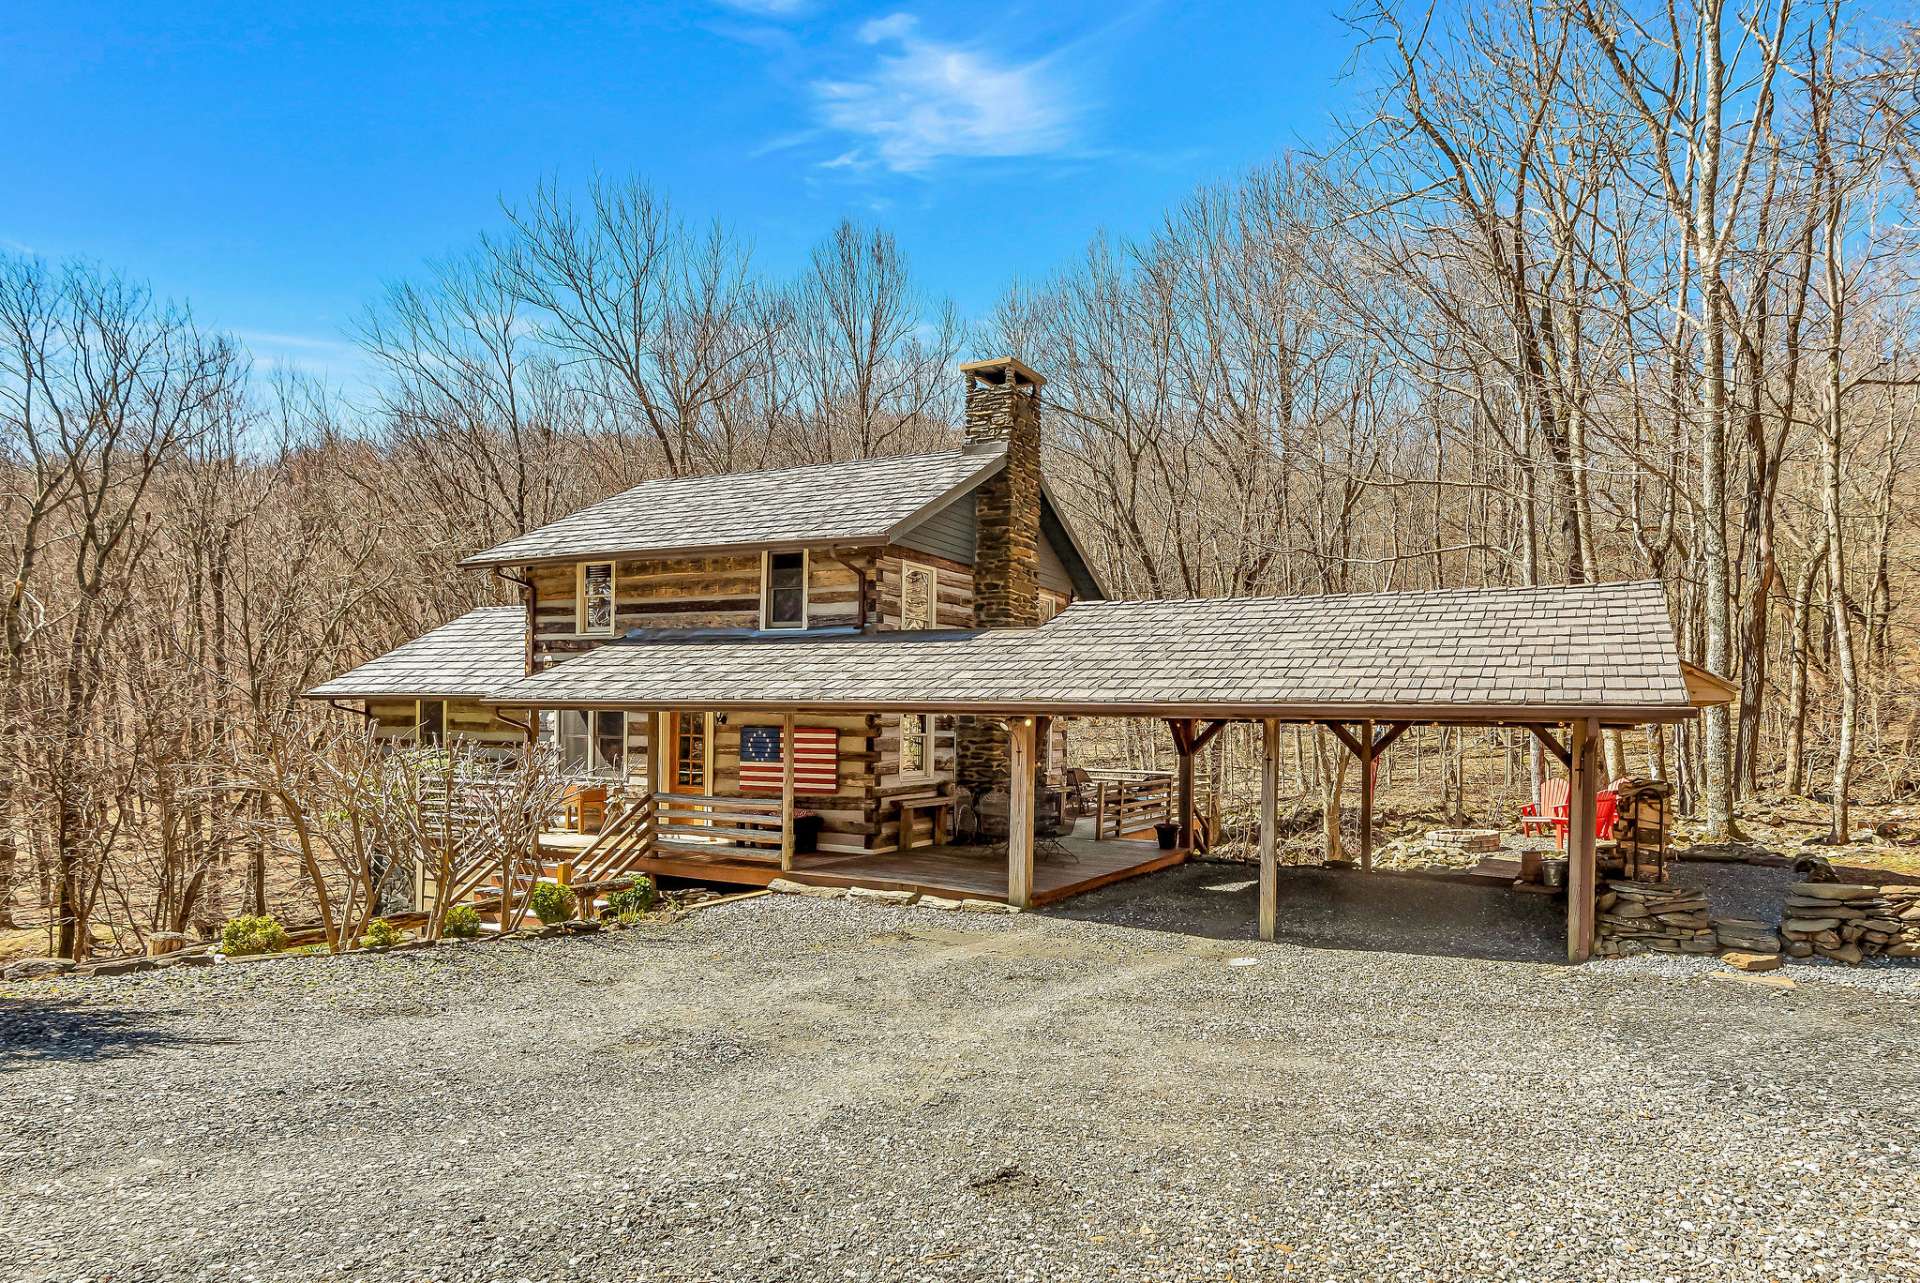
(995, 369)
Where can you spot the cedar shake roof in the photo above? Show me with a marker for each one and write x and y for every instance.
(867, 501)
(475, 654)
(1498, 654)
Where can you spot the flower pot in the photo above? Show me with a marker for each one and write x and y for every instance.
(806, 833)
(1169, 835)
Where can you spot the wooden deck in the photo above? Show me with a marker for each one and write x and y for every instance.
(1062, 867)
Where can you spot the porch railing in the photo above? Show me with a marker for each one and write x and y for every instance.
(627, 835)
(694, 824)
(1130, 801)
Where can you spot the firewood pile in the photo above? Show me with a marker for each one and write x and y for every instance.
(1638, 917)
(1851, 923)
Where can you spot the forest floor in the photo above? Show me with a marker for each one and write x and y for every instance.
(1131, 1087)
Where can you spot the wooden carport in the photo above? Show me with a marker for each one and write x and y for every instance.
(1563, 663)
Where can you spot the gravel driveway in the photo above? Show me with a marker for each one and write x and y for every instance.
(784, 1088)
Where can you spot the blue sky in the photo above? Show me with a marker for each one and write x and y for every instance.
(277, 163)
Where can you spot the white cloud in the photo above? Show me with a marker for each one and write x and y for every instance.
(921, 100)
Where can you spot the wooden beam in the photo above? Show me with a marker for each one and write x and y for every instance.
(1553, 745)
(1582, 814)
(1346, 737)
(1183, 738)
(1269, 844)
(1205, 737)
(1020, 812)
(786, 791)
(1389, 735)
(1182, 728)
(1366, 797)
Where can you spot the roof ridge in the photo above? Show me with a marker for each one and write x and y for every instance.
(1378, 592)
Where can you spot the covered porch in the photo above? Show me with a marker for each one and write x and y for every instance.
(1562, 663)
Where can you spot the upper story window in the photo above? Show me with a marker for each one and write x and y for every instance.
(430, 722)
(593, 610)
(783, 590)
(919, 596)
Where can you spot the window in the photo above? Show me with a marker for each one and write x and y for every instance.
(919, 597)
(592, 741)
(594, 610)
(430, 722)
(783, 596)
(690, 752)
(926, 740)
(916, 749)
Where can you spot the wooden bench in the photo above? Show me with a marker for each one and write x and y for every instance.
(941, 812)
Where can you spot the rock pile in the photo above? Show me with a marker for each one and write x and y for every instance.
(1635, 917)
(1476, 841)
(1850, 923)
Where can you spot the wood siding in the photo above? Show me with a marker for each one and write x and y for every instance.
(950, 533)
(467, 722)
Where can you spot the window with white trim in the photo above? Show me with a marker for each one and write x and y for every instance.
(594, 608)
(916, 744)
(1049, 606)
(926, 741)
(592, 741)
(919, 596)
(783, 590)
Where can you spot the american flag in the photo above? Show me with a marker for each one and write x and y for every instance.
(816, 760)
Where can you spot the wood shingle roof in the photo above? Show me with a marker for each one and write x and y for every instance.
(470, 657)
(1496, 654)
(866, 501)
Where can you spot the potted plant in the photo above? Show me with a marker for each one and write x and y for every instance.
(1168, 833)
(806, 832)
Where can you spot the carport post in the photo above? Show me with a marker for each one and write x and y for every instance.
(1020, 812)
(1582, 815)
(1366, 797)
(1269, 848)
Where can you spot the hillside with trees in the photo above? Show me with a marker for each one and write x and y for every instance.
(1591, 292)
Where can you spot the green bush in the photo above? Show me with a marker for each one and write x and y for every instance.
(462, 922)
(636, 899)
(551, 903)
(630, 918)
(252, 933)
(381, 934)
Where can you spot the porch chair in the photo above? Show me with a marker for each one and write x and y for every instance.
(1554, 798)
(1537, 819)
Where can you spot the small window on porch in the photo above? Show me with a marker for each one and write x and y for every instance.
(594, 609)
(919, 597)
(592, 741)
(783, 590)
(916, 744)
(430, 722)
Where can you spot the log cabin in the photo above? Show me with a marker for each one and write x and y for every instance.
(856, 643)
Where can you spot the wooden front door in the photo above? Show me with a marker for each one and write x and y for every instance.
(689, 757)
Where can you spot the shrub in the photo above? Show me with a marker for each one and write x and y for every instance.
(252, 933)
(551, 903)
(381, 934)
(628, 919)
(462, 922)
(636, 899)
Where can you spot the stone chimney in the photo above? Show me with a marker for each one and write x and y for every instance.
(1003, 408)
(1003, 411)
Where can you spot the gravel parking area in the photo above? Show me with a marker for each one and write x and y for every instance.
(785, 1088)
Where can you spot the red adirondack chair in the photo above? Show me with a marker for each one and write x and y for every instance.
(1551, 811)
(1544, 816)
